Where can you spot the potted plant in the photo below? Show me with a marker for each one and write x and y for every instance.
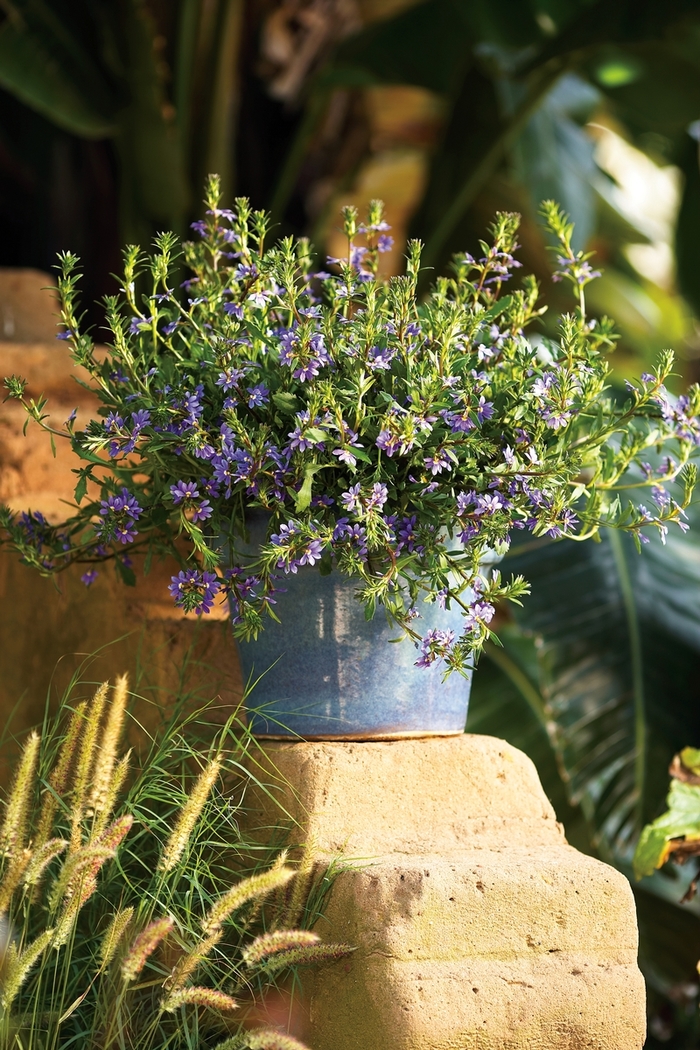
(269, 418)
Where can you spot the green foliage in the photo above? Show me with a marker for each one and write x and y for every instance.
(681, 821)
(121, 923)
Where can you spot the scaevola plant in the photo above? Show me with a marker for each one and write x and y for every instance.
(389, 438)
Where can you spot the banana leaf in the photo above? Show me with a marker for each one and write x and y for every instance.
(618, 637)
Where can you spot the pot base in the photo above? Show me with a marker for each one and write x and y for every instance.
(349, 738)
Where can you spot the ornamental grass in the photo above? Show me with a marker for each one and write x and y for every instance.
(123, 923)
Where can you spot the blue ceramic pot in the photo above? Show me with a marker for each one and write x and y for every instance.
(326, 673)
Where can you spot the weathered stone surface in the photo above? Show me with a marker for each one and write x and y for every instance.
(29, 310)
(476, 925)
(412, 796)
(47, 627)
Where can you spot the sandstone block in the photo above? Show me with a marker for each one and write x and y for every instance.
(29, 310)
(475, 924)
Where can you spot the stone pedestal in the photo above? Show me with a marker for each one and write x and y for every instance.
(476, 925)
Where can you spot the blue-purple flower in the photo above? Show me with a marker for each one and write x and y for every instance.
(195, 591)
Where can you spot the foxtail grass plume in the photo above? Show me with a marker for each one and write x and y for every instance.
(290, 912)
(281, 940)
(197, 996)
(113, 788)
(269, 1039)
(252, 888)
(73, 871)
(18, 965)
(113, 935)
(189, 815)
(306, 956)
(12, 877)
(144, 945)
(187, 965)
(14, 829)
(41, 858)
(58, 779)
(106, 757)
(86, 760)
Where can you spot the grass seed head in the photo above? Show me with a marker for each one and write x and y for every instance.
(18, 965)
(252, 888)
(281, 940)
(58, 779)
(197, 996)
(108, 747)
(113, 935)
(143, 945)
(189, 815)
(86, 761)
(41, 858)
(14, 829)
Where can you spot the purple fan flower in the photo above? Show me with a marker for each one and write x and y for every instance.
(434, 646)
(351, 499)
(388, 442)
(184, 491)
(437, 463)
(119, 516)
(380, 358)
(479, 614)
(195, 591)
(203, 511)
(89, 577)
(258, 395)
(484, 409)
(378, 496)
(231, 378)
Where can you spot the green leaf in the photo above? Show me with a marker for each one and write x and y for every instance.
(688, 225)
(681, 820)
(690, 757)
(126, 573)
(303, 496)
(154, 185)
(80, 488)
(316, 434)
(499, 307)
(31, 72)
(285, 401)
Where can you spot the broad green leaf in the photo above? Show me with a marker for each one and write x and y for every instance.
(31, 72)
(285, 401)
(80, 488)
(506, 702)
(154, 187)
(303, 496)
(681, 820)
(688, 226)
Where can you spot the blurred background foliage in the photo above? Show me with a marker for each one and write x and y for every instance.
(113, 111)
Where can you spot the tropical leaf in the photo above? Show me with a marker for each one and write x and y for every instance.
(30, 71)
(618, 636)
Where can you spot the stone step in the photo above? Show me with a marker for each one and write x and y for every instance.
(475, 924)
(489, 904)
(566, 1001)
